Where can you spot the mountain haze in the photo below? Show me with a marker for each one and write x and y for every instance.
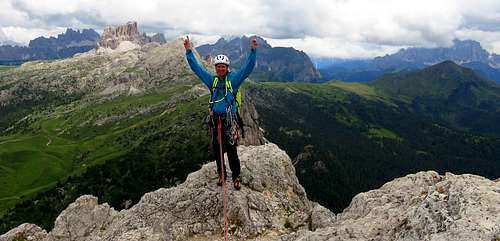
(467, 53)
(64, 45)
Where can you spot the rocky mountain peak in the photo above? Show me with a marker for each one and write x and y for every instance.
(70, 38)
(112, 37)
(272, 205)
(129, 29)
(467, 44)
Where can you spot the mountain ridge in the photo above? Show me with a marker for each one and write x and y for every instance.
(64, 45)
(467, 53)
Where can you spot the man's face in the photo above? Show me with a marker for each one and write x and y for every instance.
(221, 70)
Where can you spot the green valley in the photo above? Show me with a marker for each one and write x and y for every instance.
(351, 137)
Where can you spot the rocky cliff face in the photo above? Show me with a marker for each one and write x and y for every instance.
(112, 37)
(422, 206)
(253, 134)
(273, 206)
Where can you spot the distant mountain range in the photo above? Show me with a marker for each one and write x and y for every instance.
(64, 45)
(75, 41)
(467, 53)
(273, 63)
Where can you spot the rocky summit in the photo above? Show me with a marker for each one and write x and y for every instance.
(272, 205)
(113, 37)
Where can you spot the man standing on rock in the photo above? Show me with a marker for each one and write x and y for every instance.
(224, 87)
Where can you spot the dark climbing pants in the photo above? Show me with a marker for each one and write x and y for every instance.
(232, 153)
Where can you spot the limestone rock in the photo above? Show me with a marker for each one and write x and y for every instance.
(422, 206)
(271, 203)
(112, 37)
(253, 133)
(81, 218)
(25, 231)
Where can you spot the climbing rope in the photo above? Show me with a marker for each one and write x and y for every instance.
(226, 220)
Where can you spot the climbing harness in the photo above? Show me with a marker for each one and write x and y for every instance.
(231, 118)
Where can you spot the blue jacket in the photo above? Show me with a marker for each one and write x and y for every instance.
(236, 79)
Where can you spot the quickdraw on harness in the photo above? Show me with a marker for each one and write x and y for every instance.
(231, 118)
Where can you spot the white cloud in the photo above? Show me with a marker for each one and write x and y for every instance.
(327, 47)
(341, 28)
(489, 40)
(2, 36)
(24, 35)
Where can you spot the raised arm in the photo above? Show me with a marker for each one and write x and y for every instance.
(199, 70)
(246, 68)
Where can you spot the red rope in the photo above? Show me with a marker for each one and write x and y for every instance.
(226, 222)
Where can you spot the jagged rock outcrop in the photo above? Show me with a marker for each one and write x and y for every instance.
(272, 205)
(422, 206)
(127, 34)
(158, 38)
(253, 134)
(26, 231)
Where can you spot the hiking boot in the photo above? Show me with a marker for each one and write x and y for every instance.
(219, 183)
(237, 183)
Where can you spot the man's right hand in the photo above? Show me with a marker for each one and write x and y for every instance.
(187, 44)
(253, 45)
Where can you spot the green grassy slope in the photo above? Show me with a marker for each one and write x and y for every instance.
(6, 67)
(51, 145)
(346, 138)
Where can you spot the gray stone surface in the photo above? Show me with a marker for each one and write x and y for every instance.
(25, 231)
(422, 206)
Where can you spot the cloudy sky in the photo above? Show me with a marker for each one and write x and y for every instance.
(329, 28)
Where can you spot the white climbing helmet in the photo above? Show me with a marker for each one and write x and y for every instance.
(221, 59)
